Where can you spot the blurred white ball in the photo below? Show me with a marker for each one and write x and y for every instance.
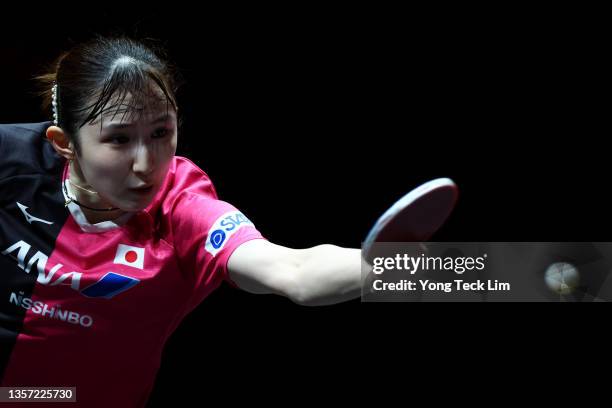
(562, 278)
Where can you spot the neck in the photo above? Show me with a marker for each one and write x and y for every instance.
(90, 199)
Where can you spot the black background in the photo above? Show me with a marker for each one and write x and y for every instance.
(314, 121)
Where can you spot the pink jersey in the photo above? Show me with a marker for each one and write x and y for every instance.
(91, 306)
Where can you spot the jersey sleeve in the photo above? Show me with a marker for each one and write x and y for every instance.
(206, 231)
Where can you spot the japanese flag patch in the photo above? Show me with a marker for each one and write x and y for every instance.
(130, 256)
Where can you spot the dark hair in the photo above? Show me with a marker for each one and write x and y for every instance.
(92, 74)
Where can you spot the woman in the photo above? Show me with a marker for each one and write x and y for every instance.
(109, 240)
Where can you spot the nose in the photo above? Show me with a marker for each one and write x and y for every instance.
(144, 161)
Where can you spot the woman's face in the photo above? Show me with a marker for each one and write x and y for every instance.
(125, 158)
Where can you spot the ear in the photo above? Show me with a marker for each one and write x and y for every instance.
(60, 142)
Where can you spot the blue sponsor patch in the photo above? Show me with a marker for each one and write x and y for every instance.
(110, 285)
(217, 238)
(222, 230)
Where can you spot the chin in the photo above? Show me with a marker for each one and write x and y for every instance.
(130, 206)
(134, 208)
(134, 204)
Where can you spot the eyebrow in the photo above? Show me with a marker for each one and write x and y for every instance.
(160, 119)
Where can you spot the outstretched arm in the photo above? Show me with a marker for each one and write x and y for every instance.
(321, 275)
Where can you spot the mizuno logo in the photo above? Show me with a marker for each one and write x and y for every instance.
(29, 218)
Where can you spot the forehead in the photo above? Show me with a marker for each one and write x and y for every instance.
(129, 116)
(130, 107)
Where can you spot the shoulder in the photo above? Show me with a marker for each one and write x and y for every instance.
(24, 149)
(191, 200)
(21, 128)
(186, 178)
(186, 189)
(21, 134)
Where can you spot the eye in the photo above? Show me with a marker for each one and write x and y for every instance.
(118, 139)
(160, 133)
